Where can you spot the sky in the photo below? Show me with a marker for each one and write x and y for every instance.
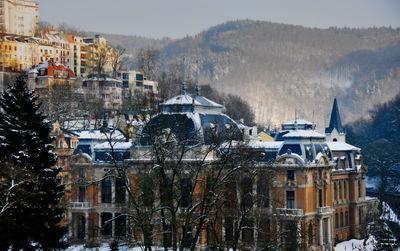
(178, 18)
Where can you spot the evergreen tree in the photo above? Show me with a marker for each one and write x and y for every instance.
(30, 190)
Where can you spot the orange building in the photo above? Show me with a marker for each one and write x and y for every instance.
(309, 184)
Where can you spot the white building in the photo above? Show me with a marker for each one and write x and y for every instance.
(20, 17)
(136, 83)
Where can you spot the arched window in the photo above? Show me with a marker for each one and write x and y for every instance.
(346, 218)
(106, 190)
(310, 233)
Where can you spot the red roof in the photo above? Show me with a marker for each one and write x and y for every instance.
(52, 67)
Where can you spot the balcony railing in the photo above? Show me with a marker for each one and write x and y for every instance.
(79, 205)
(324, 210)
(289, 212)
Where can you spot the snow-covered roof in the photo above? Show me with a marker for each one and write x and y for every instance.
(187, 99)
(299, 122)
(33, 71)
(102, 78)
(303, 134)
(267, 145)
(341, 146)
(116, 145)
(98, 134)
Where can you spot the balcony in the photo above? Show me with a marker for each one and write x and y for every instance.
(289, 212)
(324, 210)
(79, 205)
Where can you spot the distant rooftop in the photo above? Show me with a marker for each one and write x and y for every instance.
(298, 124)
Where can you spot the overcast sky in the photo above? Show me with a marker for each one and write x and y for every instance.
(177, 18)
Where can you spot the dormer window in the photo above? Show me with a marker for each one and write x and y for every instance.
(290, 175)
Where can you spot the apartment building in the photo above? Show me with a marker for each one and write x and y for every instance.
(17, 53)
(19, 17)
(105, 89)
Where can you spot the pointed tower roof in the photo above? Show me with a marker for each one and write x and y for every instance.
(335, 120)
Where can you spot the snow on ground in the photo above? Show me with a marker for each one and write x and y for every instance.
(106, 247)
(354, 244)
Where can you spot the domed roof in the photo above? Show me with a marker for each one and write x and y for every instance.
(192, 118)
(191, 103)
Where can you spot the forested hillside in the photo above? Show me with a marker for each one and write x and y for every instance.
(284, 69)
(379, 137)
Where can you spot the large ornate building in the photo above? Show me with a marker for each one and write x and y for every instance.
(306, 182)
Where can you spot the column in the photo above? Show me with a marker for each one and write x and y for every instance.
(70, 224)
(113, 190)
(113, 225)
(86, 226)
(321, 232)
(99, 225)
(329, 231)
(223, 229)
(299, 232)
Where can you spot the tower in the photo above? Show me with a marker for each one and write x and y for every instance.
(335, 131)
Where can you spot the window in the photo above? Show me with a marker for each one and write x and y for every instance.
(318, 149)
(344, 190)
(119, 190)
(290, 203)
(320, 197)
(246, 191)
(340, 190)
(139, 76)
(292, 148)
(334, 191)
(231, 193)
(262, 194)
(139, 84)
(147, 186)
(290, 175)
(341, 219)
(186, 190)
(82, 173)
(346, 218)
(310, 234)
(82, 194)
(309, 152)
(66, 179)
(336, 220)
(106, 190)
(359, 188)
(120, 225)
(248, 231)
(228, 229)
(106, 224)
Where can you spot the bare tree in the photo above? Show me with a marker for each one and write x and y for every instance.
(117, 60)
(59, 102)
(147, 61)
